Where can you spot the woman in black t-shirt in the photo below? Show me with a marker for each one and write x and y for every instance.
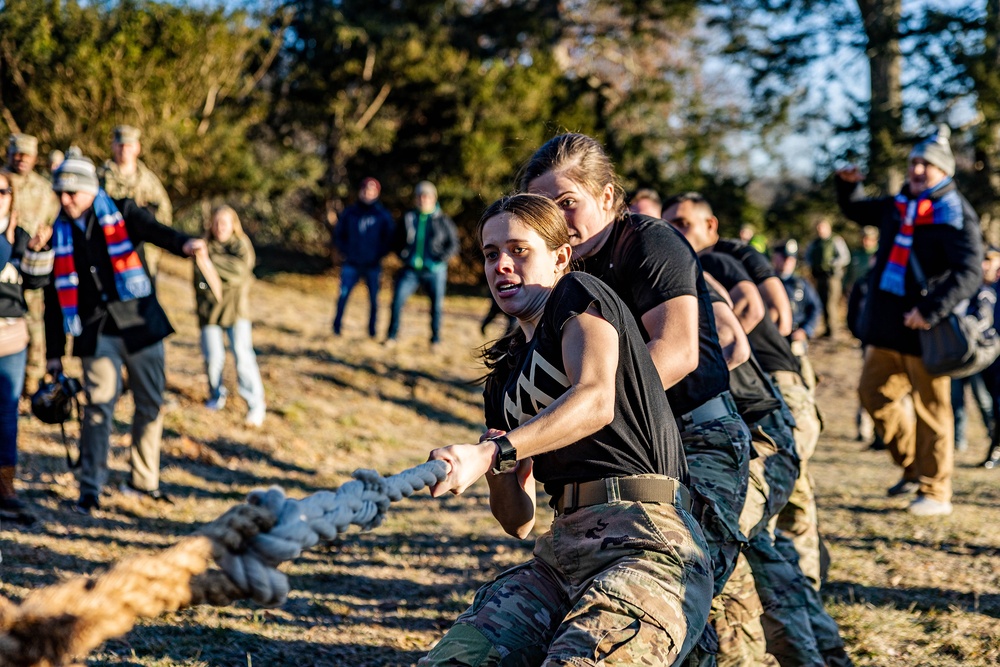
(574, 401)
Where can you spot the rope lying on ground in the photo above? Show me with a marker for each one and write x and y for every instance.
(54, 624)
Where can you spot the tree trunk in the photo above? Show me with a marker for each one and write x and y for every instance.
(886, 150)
(987, 134)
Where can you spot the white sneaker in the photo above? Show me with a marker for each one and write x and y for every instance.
(924, 506)
(255, 417)
(216, 404)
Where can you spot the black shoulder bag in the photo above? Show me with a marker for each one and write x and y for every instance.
(959, 345)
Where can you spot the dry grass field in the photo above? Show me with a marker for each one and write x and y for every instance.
(906, 591)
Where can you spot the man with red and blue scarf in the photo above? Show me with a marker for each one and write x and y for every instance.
(101, 294)
(930, 223)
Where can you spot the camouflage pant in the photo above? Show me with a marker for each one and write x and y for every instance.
(35, 371)
(737, 615)
(622, 583)
(798, 522)
(718, 457)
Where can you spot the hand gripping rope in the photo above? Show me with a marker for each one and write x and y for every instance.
(55, 624)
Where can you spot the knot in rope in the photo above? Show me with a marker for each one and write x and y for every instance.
(320, 517)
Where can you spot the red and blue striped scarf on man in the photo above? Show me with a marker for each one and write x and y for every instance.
(923, 210)
(131, 281)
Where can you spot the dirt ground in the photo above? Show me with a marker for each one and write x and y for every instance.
(906, 591)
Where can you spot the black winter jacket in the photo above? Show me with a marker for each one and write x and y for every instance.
(950, 258)
(140, 322)
(442, 238)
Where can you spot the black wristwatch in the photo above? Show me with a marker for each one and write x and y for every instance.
(506, 458)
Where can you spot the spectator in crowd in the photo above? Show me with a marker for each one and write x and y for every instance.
(861, 258)
(982, 305)
(425, 240)
(233, 257)
(574, 401)
(494, 312)
(828, 257)
(363, 235)
(125, 176)
(102, 295)
(931, 222)
(35, 207)
(56, 158)
(13, 346)
(749, 235)
(646, 201)
(805, 302)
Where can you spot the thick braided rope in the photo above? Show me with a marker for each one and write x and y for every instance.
(321, 517)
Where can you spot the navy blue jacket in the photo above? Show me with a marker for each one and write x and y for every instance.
(951, 259)
(363, 234)
(806, 306)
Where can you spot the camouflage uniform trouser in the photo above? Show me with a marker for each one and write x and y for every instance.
(718, 456)
(797, 524)
(622, 583)
(35, 317)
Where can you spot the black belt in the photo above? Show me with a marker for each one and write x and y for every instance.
(652, 489)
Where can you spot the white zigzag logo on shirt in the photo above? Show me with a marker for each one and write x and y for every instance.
(539, 399)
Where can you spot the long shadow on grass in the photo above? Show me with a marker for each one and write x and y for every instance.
(869, 544)
(232, 648)
(922, 598)
(33, 566)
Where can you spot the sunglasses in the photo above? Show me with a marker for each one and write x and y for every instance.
(6, 191)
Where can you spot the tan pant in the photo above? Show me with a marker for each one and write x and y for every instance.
(102, 381)
(923, 447)
(34, 373)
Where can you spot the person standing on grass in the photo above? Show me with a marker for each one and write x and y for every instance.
(931, 223)
(232, 254)
(573, 400)
(425, 240)
(828, 257)
(363, 236)
(35, 207)
(13, 345)
(102, 295)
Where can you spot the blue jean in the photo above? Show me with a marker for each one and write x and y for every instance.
(983, 400)
(349, 277)
(434, 282)
(11, 382)
(247, 373)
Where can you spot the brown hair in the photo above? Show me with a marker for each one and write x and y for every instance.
(581, 159)
(542, 215)
(537, 212)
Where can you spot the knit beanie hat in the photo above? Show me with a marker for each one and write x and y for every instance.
(937, 151)
(76, 174)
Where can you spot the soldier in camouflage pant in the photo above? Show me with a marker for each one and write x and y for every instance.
(622, 583)
(797, 523)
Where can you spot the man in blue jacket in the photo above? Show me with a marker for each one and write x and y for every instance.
(363, 236)
(425, 241)
(930, 223)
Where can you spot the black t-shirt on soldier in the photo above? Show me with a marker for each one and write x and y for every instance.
(641, 439)
(749, 384)
(647, 262)
(769, 346)
(753, 260)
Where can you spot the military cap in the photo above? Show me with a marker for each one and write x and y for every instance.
(126, 134)
(788, 248)
(22, 143)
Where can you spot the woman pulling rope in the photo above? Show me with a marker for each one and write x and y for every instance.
(55, 624)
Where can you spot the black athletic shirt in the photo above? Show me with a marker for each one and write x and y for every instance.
(749, 384)
(769, 346)
(648, 262)
(642, 438)
(752, 259)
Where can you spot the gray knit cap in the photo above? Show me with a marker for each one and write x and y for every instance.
(937, 151)
(76, 174)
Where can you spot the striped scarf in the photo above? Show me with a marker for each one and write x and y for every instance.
(131, 281)
(946, 209)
